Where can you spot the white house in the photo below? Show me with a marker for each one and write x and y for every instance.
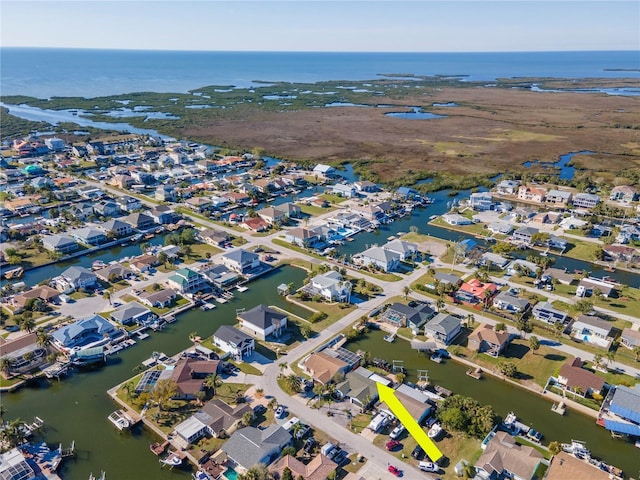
(330, 286)
(263, 322)
(594, 330)
(324, 170)
(384, 259)
(481, 201)
(406, 250)
(233, 341)
(345, 190)
(241, 260)
(456, 219)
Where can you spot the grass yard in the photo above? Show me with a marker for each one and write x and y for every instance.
(334, 311)
(296, 248)
(331, 198)
(314, 210)
(582, 250)
(477, 229)
(238, 241)
(200, 250)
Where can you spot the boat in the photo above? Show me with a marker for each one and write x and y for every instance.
(576, 448)
(475, 373)
(534, 435)
(158, 448)
(390, 338)
(207, 306)
(610, 268)
(121, 420)
(436, 357)
(242, 289)
(513, 426)
(173, 459)
(14, 273)
(434, 431)
(559, 408)
(98, 264)
(201, 475)
(103, 476)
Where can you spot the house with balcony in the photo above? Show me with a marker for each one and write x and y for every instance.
(80, 278)
(139, 221)
(89, 236)
(59, 243)
(163, 215)
(585, 200)
(271, 215)
(85, 333)
(263, 322)
(241, 261)
(346, 190)
(476, 292)
(532, 194)
(443, 327)
(485, 339)
(624, 193)
(116, 228)
(525, 235)
(330, 286)
(507, 187)
(106, 208)
(381, 258)
(406, 250)
(481, 201)
(233, 341)
(559, 198)
(186, 280)
(23, 353)
(301, 236)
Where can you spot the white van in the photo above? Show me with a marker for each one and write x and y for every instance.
(396, 432)
(580, 292)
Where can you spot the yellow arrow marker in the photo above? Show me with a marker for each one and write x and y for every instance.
(388, 396)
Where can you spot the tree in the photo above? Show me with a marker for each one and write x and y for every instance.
(286, 474)
(465, 414)
(583, 306)
(107, 296)
(27, 324)
(288, 451)
(555, 448)
(611, 356)
(257, 472)
(500, 327)
(636, 353)
(406, 291)
(469, 471)
(6, 364)
(247, 419)
(187, 250)
(534, 343)
(43, 339)
(306, 331)
(212, 382)
(293, 383)
(597, 359)
(508, 369)
(524, 326)
(163, 257)
(440, 305)
(400, 377)
(163, 392)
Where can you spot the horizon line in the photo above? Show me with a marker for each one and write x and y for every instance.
(22, 47)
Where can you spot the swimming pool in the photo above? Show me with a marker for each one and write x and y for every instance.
(231, 474)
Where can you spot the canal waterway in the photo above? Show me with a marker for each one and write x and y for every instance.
(77, 407)
(531, 409)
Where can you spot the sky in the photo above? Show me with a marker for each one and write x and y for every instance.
(325, 25)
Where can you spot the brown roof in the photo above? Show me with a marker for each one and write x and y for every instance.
(415, 407)
(6, 348)
(579, 377)
(187, 368)
(323, 367)
(564, 466)
(317, 469)
(486, 333)
(43, 292)
(502, 453)
(224, 416)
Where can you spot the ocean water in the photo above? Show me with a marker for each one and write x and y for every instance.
(45, 73)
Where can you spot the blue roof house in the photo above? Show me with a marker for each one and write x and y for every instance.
(85, 333)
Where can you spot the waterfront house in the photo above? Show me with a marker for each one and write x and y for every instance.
(330, 286)
(547, 218)
(407, 193)
(586, 200)
(620, 252)
(263, 322)
(139, 221)
(221, 276)
(400, 315)
(532, 194)
(628, 233)
(504, 458)
(481, 201)
(159, 299)
(456, 219)
(271, 215)
(359, 390)
(370, 211)
(198, 204)
(323, 367)
(476, 292)
(563, 466)
(522, 267)
(346, 190)
(114, 272)
(233, 341)
(290, 210)
(502, 228)
(80, 278)
(507, 187)
(116, 228)
(241, 261)
(510, 303)
(301, 236)
(545, 312)
(384, 259)
(23, 353)
(447, 278)
(556, 242)
(624, 193)
(85, 333)
(525, 235)
(55, 144)
(623, 412)
(143, 263)
(443, 327)
(591, 284)
(320, 468)
(89, 236)
(42, 292)
(59, 243)
(366, 186)
(162, 215)
(559, 198)
(415, 402)
(324, 170)
(214, 237)
(15, 466)
(406, 250)
(485, 339)
(630, 338)
(131, 313)
(591, 329)
(560, 275)
(493, 260)
(81, 211)
(186, 280)
(579, 380)
(249, 446)
(106, 208)
(189, 375)
(255, 224)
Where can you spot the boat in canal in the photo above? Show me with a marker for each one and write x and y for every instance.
(436, 357)
(559, 408)
(121, 420)
(173, 459)
(390, 338)
(576, 448)
(14, 273)
(513, 426)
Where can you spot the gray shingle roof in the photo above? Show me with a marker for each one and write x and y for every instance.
(249, 445)
(261, 316)
(229, 334)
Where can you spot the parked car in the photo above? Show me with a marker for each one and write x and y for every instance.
(259, 409)
(392, 445)
(395, 471)
(417, 453)
(428, 467)
(280, 412)
(396, 432)
(309, 445)
(340, 457)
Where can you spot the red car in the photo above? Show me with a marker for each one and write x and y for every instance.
(395, 471)
(392, 445)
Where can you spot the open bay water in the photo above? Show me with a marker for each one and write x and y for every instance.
(43, 73)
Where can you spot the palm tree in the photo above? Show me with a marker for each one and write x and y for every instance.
(282, 366)
(440, 305)
(193, 336)
(534, 343)
(293, 383)
(5, 365)
(43, 339)
(27, 324)
(212, 382)
(611, 356)
(107, 296)
(636, 352)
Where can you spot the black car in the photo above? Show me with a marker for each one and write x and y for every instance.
(259, 409)
(309, 445)
(417, 453)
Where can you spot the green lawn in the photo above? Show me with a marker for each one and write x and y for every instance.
(314, 210)
(582, 250)
(296, 248)
(199, 251)
(477, 229)
(331, 198)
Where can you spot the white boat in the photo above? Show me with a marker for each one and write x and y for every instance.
(436, 357)
(201, 475)
(173, 460)
(120, 419)
(513, 426)
(576, 448)
(242, 289)
(434, 431)
(390, 338)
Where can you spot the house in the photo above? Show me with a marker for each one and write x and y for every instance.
(474, 291)
(323, 367)
(384, 259)
(262, 322)
(43, 292)
(220, 275)
(624, 193)
(14, 466)
(556, 242)
(366, 186)
(159, 299)
(346, 190)
(456, 219)
(447, 278)
(525, 235)
(198, 204)
(320, 468)
(415, 402)
(485, 339)
(532, 194)
(558, 197)
(162, 215)
(443, 327)
(330, 286)
(143, 263)
(89, 236)
(114, 272)
(131, 313)
(165, 193)
(591, 284)
(241, 260)
(507, 187)
(563, 466)
(360, 390)
(324, 170)
(630, 338)
(216, 419)
(23, 353)
(491, 259)
(545, 312)
(547, 218)
(579, 380)
(522, 267)
(55, 144)
(186, 280)
(189, 375)
(249, 446)
(624, 410)
(233, 341)
(481, 201)
(80, 278)
(85, 333)
(560, 275)
(510, 303)
(139, 221)
(407, 193)
(501, 228)
(400, 315)
(504, 458)
(290, 210)
(81, 211)
(628, 233)
(122, 181)
(586, 200)
(59, 243)
(129, 204)
(301, 236)
(255, 224)
(406, 250)
(592, 330)
(116, 228)
(620, 252)
(106, 208)
(214, 237)
(271, 215)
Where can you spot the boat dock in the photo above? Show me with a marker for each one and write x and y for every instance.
(475, 373)
(241, 288)
(207, 306)
(122, 419)
(559, 408)
(112, 349)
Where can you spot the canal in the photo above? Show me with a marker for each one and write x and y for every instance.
(77, 407)
(531, 409)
